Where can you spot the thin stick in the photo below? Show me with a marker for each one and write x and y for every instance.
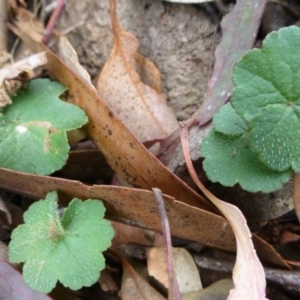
(174, 292)
(53, 20)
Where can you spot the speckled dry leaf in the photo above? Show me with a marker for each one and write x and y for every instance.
(124, 153)
(131, 85)
(185, 269)
(203, 227)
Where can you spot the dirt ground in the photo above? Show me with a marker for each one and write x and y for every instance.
(180, 39)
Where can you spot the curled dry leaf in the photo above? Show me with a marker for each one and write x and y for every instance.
(26, 25)
(248, 274)
(9, 76)
(203, 227)
(131, 85)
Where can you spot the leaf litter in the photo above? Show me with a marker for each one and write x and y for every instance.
(72, 81)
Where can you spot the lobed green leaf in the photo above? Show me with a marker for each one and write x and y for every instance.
(68, 249)
(33, 128)
(229, 160)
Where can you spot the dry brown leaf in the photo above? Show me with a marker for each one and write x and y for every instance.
(124, 153)
(131, 85)
(186, 221)
(185, 269)
(248, 273)
(26, 25)
(133, 285)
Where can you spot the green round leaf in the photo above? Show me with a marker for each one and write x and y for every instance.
(276, 137)
(33, 128)
(67, 249)
(227, 121)
(228, 160)
(270, 75)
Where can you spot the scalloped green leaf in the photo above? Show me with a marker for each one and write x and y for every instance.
(227, 121)
(267, 94)
(276, 137)
(228, 160)
(33, 128)
(270, 75)
(67, 248)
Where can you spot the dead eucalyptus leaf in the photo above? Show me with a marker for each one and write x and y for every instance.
(131, 85)
(124, 153)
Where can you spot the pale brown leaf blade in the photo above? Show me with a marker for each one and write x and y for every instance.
(131, 85)
(185, 268)
(248, 274)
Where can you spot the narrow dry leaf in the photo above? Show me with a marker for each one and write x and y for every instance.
(69, 56)
(203, 227)
(185, 269)
(131, 85)
(124, 153)
(248, 274)
(239, 29)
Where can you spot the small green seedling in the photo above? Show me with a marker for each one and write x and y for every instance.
(256, 138)
(33, 128)
(67, 248)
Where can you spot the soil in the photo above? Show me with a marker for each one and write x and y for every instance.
(180, 39)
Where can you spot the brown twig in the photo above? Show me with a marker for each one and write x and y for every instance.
(53, 20)
(173, 285)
